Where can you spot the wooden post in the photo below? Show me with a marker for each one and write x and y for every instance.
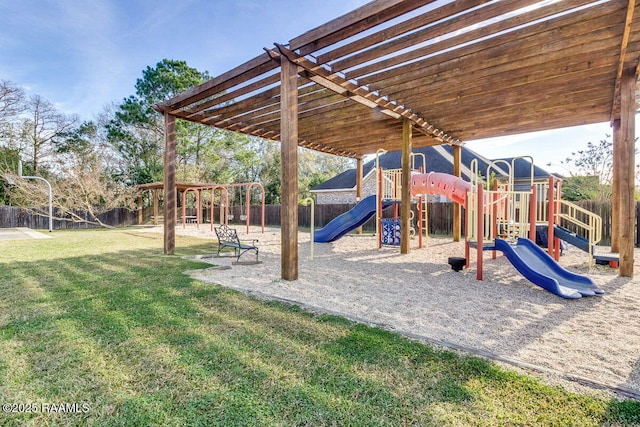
(457, 150)
(405, 197)
(551, 214)
(359, 177)
(199, 213)
(494, 215)
(170, 215)
(140, 201)
(380, 174)
(533, 204)
(627, 167)
(289, 168)
(556, 240)
(480, 233)
(156, 212)
(420, 222)
(615, 193)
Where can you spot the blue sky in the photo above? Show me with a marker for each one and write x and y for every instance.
(84, 54)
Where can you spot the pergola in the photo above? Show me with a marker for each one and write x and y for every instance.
(394, 74)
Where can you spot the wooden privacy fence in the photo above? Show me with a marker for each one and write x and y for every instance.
(11, 217)
(440, 217)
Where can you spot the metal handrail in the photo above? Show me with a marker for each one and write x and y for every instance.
(594, 225)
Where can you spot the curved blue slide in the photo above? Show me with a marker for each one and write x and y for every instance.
(348, 221)
(541, 269)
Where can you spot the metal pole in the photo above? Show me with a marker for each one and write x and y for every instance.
(309, 202)
(50, 193)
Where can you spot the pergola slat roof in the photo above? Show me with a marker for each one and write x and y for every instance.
(458, 70)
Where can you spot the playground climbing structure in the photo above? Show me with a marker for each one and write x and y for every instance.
(499, 218)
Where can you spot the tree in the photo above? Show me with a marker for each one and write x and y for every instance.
(9, 158)
(137, 131)
(595, 160)
(583, 187)
(82, 186)
(41, 129)
(315, 168)
(11, 103)
(590, 172)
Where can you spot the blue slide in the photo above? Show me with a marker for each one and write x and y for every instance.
(348, 221)
(541, 269)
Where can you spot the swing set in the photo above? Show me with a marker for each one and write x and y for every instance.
(222, 191)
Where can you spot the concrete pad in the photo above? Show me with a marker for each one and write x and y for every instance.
(21, 233)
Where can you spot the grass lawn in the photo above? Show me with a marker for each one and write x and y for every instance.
(100, 328)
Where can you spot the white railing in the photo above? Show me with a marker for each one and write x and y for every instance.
(588, 223)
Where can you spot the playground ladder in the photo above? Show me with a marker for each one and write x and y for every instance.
(424, 226)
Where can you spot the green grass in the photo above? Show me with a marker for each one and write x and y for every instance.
(104, 319)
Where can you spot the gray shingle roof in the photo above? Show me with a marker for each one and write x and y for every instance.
(439, 159)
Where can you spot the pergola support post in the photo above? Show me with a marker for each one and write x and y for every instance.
(457, 153)
(405, 197)
(289, 168)
(170, 215)
(627, 174)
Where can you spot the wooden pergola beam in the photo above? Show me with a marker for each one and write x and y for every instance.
(623, 51)
(250, 69)
(354, 22)
(555, 30)
(398, 29)
(470, 17)
(324, 76)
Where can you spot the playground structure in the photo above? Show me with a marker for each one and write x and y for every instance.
(223, 203)
(499, 217)
(496, 210)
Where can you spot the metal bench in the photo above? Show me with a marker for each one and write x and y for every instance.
(228, 238)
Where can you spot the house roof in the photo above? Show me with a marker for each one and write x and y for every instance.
(457, 70)
(439, 159)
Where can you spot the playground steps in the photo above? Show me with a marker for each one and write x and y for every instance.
(581, 243)
(611, 259)
(486, 246)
